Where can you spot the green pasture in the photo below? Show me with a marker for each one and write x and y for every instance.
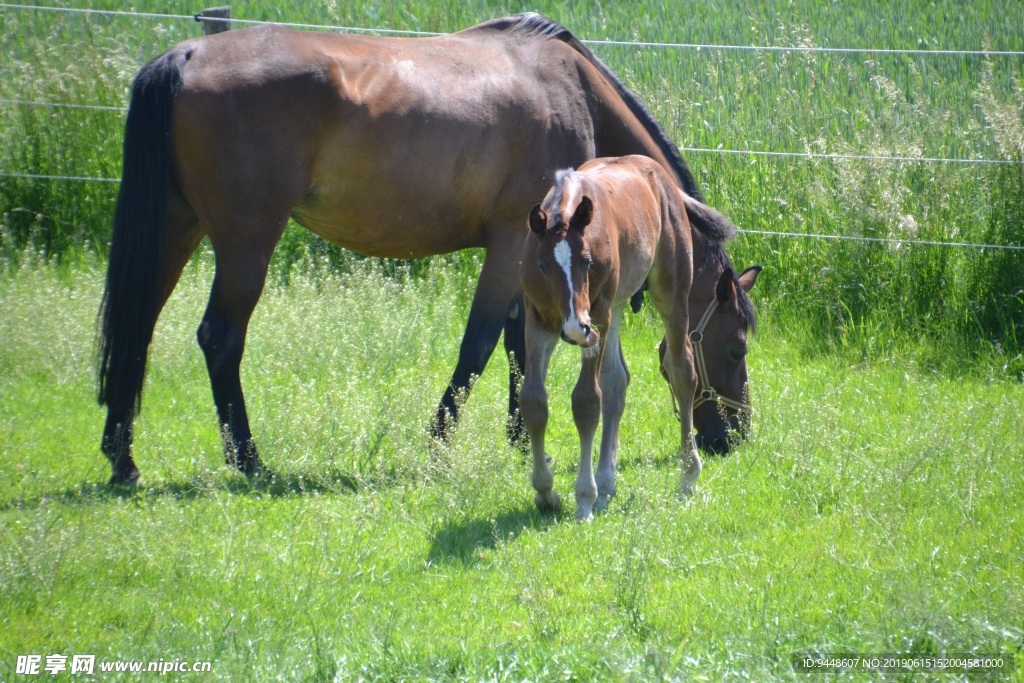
(876, 507)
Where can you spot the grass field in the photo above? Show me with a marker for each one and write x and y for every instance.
(876, 507)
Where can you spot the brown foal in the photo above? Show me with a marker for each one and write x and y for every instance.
(600, 234)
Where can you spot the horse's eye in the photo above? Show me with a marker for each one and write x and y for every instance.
(738, 354)
(542, 267)
(586, 264)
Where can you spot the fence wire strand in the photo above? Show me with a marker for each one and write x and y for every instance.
(64, 105)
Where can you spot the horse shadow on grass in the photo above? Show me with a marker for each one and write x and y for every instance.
(466, 542)
(280, 485)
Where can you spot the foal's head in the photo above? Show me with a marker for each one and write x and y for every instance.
(564, 262)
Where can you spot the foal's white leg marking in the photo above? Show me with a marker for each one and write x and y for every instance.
(571, 326)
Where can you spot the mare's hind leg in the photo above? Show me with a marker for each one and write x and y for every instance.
(533, 402)
(183, 236)
(614, 382)
(237, 286)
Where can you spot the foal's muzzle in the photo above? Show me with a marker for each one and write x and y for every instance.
(579, 332)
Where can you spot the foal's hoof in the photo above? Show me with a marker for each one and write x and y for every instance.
(584, 514)
(548, 503)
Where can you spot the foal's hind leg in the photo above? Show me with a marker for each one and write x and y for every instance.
(237, 286)
(614, 381)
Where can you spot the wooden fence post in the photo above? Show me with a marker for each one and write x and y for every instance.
(221, 17)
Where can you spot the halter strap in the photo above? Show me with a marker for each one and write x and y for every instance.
(707, 393)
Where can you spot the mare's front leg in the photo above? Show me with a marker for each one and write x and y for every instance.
(533, 404)
(490, 312)
(682, 376)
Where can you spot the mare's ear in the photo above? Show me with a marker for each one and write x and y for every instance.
(538, 220)
(584, 212)
(725, 290)
(748, 278)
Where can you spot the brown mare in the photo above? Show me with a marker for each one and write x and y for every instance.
(389, 147)
(601, 232)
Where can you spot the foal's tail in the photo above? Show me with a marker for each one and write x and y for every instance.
(132, 295)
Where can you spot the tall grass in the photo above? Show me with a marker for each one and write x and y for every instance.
(868, 295)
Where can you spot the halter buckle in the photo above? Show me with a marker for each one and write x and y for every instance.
(696, 336)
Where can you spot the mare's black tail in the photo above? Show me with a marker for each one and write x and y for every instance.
(132, 295)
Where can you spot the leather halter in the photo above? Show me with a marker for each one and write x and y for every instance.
(707, 393)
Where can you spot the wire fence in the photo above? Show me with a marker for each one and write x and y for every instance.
(625, 43)
(638, 44)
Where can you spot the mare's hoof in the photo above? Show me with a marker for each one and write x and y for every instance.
(128, 477)
(255, 469)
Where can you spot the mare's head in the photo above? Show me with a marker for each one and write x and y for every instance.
(556, 269)
(721, 317)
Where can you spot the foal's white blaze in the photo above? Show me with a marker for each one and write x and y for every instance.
(572, 326)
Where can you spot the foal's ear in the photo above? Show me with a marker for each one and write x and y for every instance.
(538, 220)
(584, 212)
(748, 278)
(726, 287)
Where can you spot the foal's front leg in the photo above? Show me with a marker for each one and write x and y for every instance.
(586, 412)
(533, 405)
